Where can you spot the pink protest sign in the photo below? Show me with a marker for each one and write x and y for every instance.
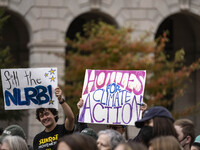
(112, 96)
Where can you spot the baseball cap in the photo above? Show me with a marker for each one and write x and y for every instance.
(12, 130)
(197, 141)
(89, 132)
(156, 111)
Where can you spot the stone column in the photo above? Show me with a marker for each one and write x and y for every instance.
(45, 55)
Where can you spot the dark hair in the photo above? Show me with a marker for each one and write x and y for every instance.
(163, 126)
(187, 128)
(1, 131)
(52, 110)
(78, 142)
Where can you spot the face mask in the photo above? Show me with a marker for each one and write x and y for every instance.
(146, 134)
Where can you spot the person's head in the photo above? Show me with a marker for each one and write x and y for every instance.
(193, 147)
(164, 143)
(120, 128)
(89, 132)
(186, 132)
(109, 139)
(131, 146)
(14, 143)
(47, 116)
(13, 130)
(157, 121)
(76, 142)
(196, 144)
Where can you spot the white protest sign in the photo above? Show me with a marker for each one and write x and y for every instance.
(29, 88)
(112, 96)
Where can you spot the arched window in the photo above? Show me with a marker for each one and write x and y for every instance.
(15, 36)
(184, 33)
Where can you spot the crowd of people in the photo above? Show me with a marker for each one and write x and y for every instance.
(158, 131)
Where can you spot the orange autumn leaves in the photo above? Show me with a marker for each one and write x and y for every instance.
(106, 47)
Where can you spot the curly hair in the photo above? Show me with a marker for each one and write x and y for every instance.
(52, 110)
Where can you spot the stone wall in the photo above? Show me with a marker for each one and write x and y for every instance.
(48, 20)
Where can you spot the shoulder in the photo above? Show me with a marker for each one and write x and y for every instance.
(61, 127)
(39, 135)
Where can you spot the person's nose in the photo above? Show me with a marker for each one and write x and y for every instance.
(99, 146)
(44, 117)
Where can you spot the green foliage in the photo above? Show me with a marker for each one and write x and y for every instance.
(105, 47)
(6, 61)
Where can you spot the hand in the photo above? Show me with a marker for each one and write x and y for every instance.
(58, 93)
(143, 107)
(80, 103)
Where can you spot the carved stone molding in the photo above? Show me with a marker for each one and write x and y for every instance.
(184, 4)
(95, 4)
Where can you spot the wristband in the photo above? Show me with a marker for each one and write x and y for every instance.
(62, 101)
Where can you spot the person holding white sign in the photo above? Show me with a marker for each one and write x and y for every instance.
(47, 139)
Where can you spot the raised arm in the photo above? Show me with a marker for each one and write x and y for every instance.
(69, 121)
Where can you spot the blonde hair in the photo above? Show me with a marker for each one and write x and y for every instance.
(15, 143)
(165, 143)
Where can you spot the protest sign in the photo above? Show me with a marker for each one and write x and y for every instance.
(112, 96)
(29, 88)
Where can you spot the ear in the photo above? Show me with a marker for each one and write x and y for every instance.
(188, 139)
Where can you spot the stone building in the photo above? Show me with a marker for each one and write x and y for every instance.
(38, 27)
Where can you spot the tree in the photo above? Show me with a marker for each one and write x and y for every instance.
(6, 61)
(105, 47)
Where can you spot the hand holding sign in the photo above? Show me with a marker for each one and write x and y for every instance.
(80, 103)
(58, 93)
